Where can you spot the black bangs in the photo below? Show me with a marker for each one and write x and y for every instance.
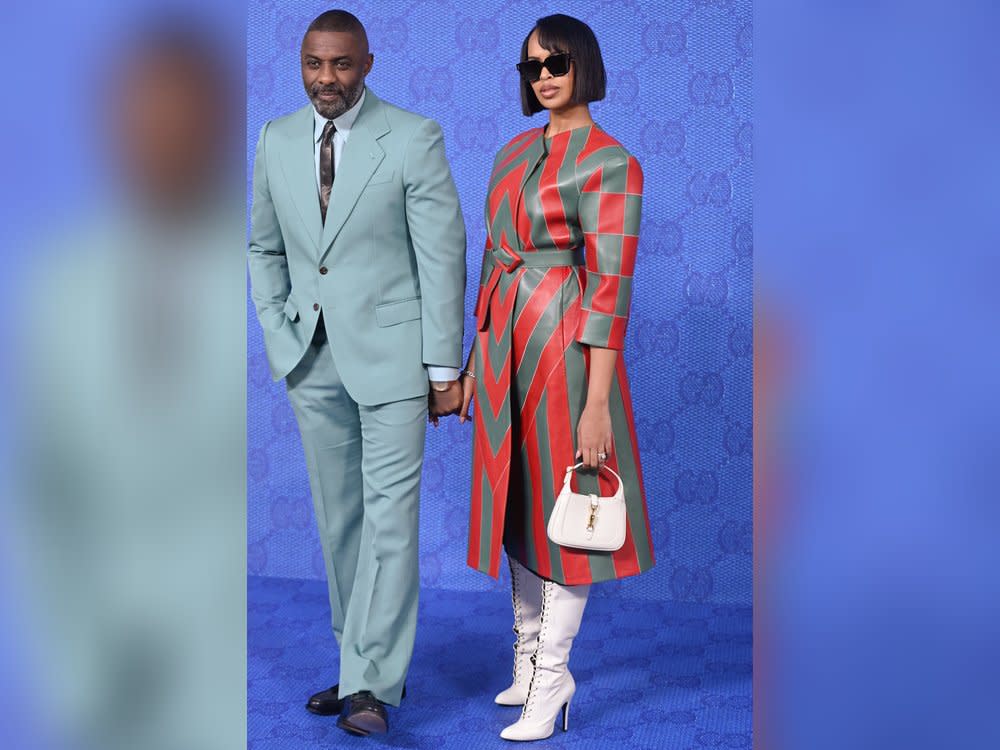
(551, 36)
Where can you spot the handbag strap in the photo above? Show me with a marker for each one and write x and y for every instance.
(569, 476)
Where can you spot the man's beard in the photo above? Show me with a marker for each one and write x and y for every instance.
(346, 98)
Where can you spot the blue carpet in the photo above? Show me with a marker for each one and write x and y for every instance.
(650, 675)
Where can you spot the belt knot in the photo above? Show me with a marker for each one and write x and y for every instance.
(507, 259)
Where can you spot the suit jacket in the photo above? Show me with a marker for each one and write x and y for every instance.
(387, 268)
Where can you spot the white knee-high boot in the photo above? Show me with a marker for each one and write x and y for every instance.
(526, 595)
(552, 686)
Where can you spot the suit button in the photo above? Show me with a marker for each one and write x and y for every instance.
(322, 270)
(315, 305)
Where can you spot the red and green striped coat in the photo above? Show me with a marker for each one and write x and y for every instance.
(536, 322)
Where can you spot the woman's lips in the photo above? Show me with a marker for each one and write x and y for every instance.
(548, 91)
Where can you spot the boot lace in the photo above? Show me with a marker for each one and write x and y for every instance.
(529, 703)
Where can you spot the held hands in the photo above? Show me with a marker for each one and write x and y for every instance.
(593, 435)
(455, 398)
(441, 403)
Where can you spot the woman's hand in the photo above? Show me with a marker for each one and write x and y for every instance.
(468, 385)
(468, 390)
(593, 435)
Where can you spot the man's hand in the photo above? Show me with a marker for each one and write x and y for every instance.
(441, 403)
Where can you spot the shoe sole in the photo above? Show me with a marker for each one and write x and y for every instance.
(322, 711)
(351, 729)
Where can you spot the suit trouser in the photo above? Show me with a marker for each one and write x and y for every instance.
(364, 467)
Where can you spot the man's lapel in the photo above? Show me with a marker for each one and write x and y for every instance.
(298, 161)
(359, 159)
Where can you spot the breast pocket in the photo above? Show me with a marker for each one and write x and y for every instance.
(382, 176)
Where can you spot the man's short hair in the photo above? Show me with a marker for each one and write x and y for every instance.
(338, 20)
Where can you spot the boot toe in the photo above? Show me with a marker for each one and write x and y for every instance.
(510, 733)
(520, 733)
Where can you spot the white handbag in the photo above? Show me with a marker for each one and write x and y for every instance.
(588, 521)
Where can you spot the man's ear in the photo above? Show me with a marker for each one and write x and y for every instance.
(368, 65)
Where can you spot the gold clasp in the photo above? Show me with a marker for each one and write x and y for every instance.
(593, 513)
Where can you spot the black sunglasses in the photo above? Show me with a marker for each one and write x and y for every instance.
(557, 65)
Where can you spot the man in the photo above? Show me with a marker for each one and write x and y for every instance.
(136, 452)
(357, 263)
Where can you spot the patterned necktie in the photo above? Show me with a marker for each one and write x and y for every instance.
(326, 167)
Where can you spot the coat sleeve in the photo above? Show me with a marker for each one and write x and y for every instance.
(437, 232)
(269, 279)
(609, 210)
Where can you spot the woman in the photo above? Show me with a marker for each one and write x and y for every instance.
(562, 214)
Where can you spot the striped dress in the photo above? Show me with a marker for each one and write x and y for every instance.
(562, 217)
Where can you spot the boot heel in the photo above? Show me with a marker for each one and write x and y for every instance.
(565, 713)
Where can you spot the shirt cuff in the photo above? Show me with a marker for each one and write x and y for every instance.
(442, 374)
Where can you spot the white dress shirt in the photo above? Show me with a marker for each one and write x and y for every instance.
(344, 123)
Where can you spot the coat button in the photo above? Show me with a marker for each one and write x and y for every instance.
(315, 305)
(322, 270)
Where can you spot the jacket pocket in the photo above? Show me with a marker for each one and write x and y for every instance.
(391, 313)
(291, 310)
(382, 176)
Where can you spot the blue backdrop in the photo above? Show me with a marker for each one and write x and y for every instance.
(679, 98)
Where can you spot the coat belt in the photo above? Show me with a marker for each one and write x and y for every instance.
(506, 260)
(509, 260)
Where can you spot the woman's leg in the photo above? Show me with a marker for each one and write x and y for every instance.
(526, 595)
(552, 686)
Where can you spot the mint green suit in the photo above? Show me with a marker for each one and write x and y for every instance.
(387, 271)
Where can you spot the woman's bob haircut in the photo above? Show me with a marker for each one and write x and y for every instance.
(561, 33)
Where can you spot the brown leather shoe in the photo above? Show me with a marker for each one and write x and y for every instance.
(363, 714)
(325, 702)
